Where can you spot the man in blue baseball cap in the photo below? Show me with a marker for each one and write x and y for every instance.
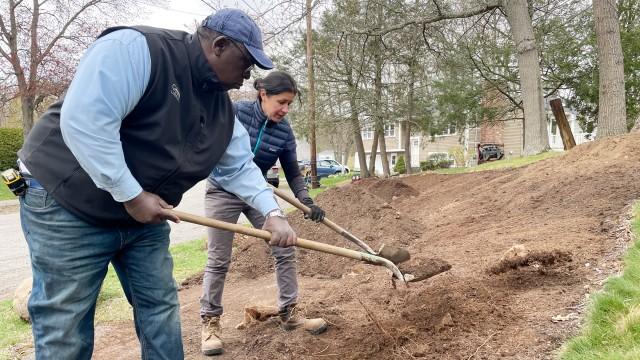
(146, 117)
(239, 27)
(233, 28)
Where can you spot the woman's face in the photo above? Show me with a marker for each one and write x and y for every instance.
(276, 106)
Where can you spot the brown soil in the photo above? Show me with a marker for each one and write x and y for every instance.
(540, 260)
(568, 211)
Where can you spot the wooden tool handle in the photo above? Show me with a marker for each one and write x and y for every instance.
(333, 226)
(303, 243)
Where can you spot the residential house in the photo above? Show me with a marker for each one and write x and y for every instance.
(508, 133)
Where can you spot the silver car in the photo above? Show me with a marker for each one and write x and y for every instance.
(273, 176)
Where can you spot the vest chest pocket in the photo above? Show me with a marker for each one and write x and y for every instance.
(201, 135)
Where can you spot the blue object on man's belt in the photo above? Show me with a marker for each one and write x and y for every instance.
(33, 183)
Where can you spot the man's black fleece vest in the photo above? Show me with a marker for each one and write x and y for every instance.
(172, 139)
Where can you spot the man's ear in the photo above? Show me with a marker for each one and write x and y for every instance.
(220, 44)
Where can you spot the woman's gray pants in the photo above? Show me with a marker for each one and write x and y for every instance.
(225, 206)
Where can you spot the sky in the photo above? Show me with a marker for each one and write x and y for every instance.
(186, 14)
(178, 15)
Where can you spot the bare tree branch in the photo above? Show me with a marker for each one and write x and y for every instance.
(62, 31)
(488, 5)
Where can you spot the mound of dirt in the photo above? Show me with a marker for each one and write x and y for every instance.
(421, 269)
(447, 318)
(251, 257)
(369, 218)
(568, 211)
(389, 189)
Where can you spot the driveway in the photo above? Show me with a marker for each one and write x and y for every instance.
(14, 254)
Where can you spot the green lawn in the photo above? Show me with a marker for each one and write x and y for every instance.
(329, 182)
(502, 164)
(5, 193)
(612, 327)
(12, 329)
(325, 183)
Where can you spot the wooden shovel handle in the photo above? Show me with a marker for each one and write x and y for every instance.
(330, 224)
(303, 243)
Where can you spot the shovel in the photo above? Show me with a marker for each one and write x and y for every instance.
(303, 243)
(395, 254)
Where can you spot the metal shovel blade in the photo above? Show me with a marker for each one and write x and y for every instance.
(394, 254)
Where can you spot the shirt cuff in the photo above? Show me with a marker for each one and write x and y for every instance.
(265, 202)
(127, 189)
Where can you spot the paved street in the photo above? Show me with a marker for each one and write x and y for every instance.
(14, 255)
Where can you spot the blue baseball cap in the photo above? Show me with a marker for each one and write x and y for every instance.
(240, 27)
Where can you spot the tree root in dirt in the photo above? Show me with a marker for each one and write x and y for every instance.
(257, 313)
(531, 258)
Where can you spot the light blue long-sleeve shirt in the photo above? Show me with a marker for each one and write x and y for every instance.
(110, 80)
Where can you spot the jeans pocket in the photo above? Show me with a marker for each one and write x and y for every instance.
(37, 199)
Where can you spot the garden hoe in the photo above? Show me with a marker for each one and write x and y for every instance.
(317, 246)
(395, 254)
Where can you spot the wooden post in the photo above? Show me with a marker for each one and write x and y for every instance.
(563, 125)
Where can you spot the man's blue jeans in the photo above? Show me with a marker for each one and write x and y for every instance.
(69, 259)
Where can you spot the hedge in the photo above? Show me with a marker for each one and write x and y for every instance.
(435, 164)
(400, 167)
(10, 142)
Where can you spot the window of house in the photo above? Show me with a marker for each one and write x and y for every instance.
(367, 133)
(449, 130)
(393, 160)
(389, 130)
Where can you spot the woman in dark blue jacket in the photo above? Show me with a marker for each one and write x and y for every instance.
(272, 139)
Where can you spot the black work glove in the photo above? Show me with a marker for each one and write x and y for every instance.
(317, 214)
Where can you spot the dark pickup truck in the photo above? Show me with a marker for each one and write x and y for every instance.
(488, 152)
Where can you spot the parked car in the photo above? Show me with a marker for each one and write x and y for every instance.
(324, 168)
(488, 152)
(332, 167)
(273, 176)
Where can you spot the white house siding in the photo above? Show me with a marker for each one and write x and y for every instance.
(555, 140)
(513, 140)
(511, 135)
(425, 148)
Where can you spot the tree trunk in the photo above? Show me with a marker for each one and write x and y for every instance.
(386, 171)
(312, 101)
(536, 138)
(27, 108)
(374, 152)
(379, 126)
(355, 127)
(636, 126)
(406, 129)
(379, 118)
(357, 137)
(612, 112)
